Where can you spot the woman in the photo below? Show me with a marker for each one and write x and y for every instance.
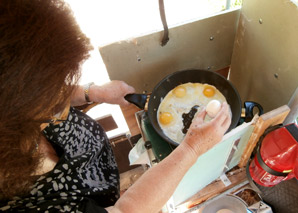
(54, 157)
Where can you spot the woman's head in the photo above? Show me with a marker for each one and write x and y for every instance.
(41, 50)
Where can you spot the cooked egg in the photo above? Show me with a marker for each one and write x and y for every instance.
(209, 91)
(180, 100)
(165, 118)
(179, 91)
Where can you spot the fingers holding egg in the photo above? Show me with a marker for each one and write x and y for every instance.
(212, 108)
(223, 117)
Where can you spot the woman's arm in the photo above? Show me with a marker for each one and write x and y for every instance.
(155, 187)
(112, 92)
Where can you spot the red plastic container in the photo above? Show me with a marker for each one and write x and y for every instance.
(277, 158)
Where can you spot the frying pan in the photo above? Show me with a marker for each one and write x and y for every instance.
(186, 76)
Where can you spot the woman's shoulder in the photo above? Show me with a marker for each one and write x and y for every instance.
(70, 186)
(77, 134)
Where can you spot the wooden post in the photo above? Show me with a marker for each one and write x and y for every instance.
(293, 104)
(266, 120)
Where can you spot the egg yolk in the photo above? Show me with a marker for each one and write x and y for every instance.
(209, 92)
(179, 91)
(165, 118)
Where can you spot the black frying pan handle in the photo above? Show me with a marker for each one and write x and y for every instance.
(137, 99)
(249, 106)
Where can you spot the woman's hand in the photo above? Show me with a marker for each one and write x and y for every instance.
(112, 92)
(202, 136)
(154, 188)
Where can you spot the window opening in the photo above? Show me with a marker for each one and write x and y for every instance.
(109, 21)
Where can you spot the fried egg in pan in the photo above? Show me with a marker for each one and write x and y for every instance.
(180, 100)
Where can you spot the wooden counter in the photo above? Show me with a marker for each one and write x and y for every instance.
(237, 177)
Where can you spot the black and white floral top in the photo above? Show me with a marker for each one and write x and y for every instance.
(85, 179)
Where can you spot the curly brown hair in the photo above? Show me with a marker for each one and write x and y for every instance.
(41, 51)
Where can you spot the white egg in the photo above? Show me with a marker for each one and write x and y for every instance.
(213, 108)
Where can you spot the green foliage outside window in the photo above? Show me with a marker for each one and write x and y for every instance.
(235, 3)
